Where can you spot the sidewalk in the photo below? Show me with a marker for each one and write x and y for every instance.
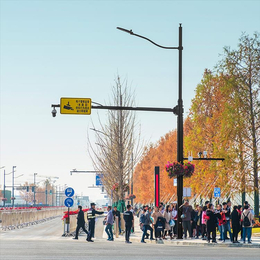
(136, 238)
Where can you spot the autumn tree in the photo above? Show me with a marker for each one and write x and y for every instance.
(224, 120)
(243, 67)
(117, 146)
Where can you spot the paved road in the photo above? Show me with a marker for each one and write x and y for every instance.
(51, 230)
(44, 241)
(101, 250)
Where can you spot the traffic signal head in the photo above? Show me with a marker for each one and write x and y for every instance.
(27, 188)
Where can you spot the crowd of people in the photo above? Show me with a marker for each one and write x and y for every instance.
(158, 223)
(199, 222)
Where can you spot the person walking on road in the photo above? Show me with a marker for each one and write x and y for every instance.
(109, 224)
(80, 222)
(91, 214)
(146, 225)
(129, 222)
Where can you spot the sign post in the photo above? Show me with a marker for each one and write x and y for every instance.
(217, 192)
(68, 202)
(99, 180)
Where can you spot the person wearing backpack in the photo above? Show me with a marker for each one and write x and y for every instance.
(247, 218)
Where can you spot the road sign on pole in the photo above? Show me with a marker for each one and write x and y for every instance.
(69, 192)
(186, 192)
(99, 179)
(78, 106)
(68, 202)
(217, 192)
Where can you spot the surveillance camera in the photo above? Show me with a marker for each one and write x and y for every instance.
(54, 112)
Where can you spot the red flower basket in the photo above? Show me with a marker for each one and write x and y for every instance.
(176, 169)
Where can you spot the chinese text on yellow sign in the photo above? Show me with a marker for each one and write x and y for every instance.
(80, 106)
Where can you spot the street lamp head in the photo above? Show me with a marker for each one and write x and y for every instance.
(124, 30)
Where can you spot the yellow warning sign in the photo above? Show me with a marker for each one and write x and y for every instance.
(79, 106)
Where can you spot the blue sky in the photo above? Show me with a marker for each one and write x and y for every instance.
(52, 49)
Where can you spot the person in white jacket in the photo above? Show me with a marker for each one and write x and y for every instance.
(247, 219)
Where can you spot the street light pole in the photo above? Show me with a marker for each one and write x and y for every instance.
(34, 180)
(180, 139)
(178, 110)
(13, 187)
(4, 188)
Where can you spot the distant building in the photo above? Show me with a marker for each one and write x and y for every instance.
(83, 201)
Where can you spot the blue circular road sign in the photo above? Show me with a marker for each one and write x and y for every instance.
(69, 192)
(68, 202)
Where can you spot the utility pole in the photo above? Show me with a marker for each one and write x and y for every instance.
(4, 188)
(13, 187)
(46, 194)
(34, 191)
(132, 180)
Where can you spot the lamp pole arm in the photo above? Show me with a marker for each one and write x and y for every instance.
(147, 39)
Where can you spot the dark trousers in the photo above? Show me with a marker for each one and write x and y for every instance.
(145, 228)
(175, 228)
(158, 233)
(91, 228)
(213, 235)
(127, 231)
(109, 231)
(187, 227)
(198, 231)
(235, 232)
(203, 230)
(78, 228)
(241, 228)
(119, 226)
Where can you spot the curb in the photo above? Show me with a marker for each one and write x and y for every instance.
(186, 243)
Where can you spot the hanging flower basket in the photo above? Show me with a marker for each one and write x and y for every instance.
(4, 199)
(12, 198)
(176, 169)
(189, 169)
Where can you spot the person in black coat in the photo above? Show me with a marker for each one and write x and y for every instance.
(212, 220)
(80, 222)
(235, 222)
